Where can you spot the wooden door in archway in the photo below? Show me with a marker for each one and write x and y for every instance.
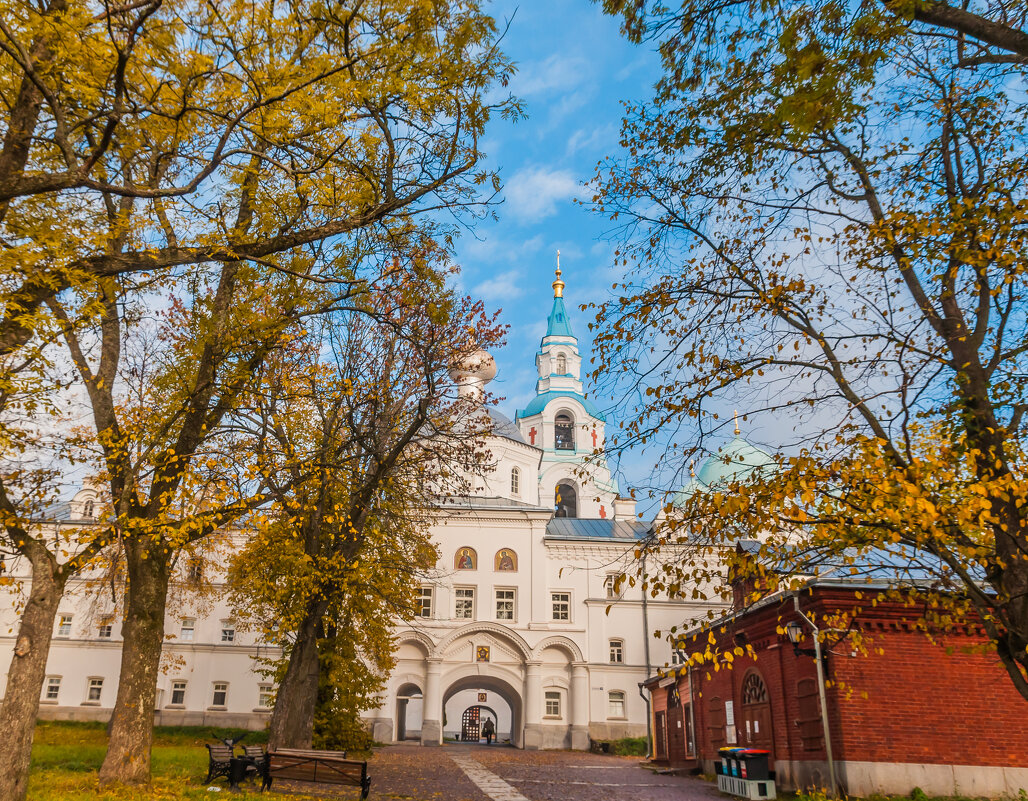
(756, 714)
(471, 724)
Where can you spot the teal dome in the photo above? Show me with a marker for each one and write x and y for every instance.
(538, 403)
(734, 462)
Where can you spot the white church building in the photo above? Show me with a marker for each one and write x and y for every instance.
(520, 622)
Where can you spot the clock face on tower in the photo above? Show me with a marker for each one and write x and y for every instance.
(482, 653)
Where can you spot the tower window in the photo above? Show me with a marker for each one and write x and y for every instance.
(515, 482)
(562, 364)
(565, 501)
(564, 432)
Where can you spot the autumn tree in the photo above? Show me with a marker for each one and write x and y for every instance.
(824, 212)
(362, 429)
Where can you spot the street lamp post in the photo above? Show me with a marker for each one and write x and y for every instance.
(794, 631)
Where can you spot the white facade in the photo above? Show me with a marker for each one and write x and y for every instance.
(520, 618)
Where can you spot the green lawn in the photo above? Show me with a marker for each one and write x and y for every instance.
(66, 757)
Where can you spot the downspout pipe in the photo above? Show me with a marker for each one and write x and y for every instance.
(646, 650)
(832, 787)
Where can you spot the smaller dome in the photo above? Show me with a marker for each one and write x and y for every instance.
(480, 366)
(734, 462)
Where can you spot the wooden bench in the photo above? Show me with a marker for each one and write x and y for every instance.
(220, 760)
(321, 767)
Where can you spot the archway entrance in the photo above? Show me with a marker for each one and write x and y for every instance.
(409, 710)
(468, 701)
(756, 713)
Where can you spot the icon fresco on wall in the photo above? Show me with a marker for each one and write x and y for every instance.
(482, 653)
(506, 560)
(464, 559)
(483, 697)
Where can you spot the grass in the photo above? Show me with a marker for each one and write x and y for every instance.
(67, 755)
(626, 746)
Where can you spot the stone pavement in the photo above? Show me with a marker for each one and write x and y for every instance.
(479, 773)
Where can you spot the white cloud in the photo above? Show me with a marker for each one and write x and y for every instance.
(560, 72)
(500, 287)
(534, 192)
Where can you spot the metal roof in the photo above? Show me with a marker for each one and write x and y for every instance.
(573, 528)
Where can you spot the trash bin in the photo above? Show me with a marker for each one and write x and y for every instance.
(723, 767)
(753, 763)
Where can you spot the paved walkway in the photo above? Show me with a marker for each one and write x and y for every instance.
(479, 773)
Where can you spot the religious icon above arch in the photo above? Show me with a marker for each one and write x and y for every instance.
(465, 559)
(506, 560)
(482, 653)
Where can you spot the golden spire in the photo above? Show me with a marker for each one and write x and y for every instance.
(558, 285)
(736, 415)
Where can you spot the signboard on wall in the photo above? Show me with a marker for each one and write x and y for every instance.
(730, 722)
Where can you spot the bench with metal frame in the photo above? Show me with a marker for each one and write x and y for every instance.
(219, 761)
(320, 767)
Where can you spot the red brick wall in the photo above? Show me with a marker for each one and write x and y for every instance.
(926, 702)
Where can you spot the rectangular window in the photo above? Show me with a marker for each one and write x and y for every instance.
(610, 586)
(53, 688)
(465, 604)
(94, 690)
(228, 631)
(178, 693)
(617, 652)
(106, 628)
(424, 602)
(561, 605)
(616, 704)
(186, 632)
(220, 695)
(265, 696)
(552, 704)
(677, 657)
(505, 604)
(64, 626)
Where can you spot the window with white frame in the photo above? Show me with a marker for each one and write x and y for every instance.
(94, 690)
(515, 482)
(561, 605)
(610, 586)
(64, 626)
(677, 656)
(186, 631)
(552, 698)
(424, 602)
(228, 631)
(106, 628)
(615, 704)
(178, 693)
(220, 694)
(617, 652)
(464, 605)
(265, 696)
(52, 689)
(562, 364)
(505, 604)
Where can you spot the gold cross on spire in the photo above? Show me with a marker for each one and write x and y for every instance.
(558, 285)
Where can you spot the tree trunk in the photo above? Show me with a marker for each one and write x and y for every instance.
(28, 670)
(292, 720)
(128, 751)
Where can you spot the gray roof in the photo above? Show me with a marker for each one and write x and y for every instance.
(484, 502)
(504, 427)
(573, 528)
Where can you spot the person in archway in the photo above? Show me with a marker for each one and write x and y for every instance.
(488, 730)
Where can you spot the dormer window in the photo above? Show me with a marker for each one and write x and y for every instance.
(562, 364)
(564, 432)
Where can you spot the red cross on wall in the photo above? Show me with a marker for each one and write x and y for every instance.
(594, 437)
(531, 435)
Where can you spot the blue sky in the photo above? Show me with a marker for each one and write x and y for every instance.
(574, 69)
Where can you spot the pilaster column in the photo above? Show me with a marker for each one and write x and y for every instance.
(381, 718)
(580, 713)
(533, 705)
(432, 720)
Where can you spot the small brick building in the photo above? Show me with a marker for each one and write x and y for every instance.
(935, 715)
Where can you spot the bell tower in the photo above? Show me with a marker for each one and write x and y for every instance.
(566, 424)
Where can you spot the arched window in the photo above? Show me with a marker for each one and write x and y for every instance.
(87, 510)
(515, 482)
(562, 364)
(565, 500)
(564, 432)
